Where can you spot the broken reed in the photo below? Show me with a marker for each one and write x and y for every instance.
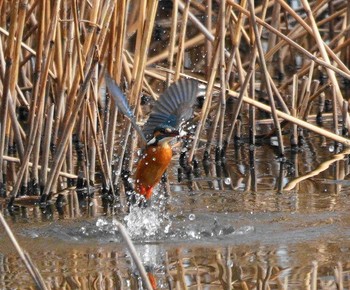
(56, 120)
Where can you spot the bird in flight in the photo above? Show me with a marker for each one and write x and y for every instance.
(170, 111)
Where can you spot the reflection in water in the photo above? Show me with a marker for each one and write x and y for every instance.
(110, 267)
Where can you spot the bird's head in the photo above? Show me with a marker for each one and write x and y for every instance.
(163, 134)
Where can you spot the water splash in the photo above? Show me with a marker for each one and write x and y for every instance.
(146, 222)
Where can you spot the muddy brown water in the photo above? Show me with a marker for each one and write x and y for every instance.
(233, 227)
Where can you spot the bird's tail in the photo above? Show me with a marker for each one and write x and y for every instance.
(122, 103)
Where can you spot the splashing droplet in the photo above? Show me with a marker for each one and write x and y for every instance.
(144, 222)
(192, 217)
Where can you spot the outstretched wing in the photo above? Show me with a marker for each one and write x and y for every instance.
(173, 107)
(122, 103)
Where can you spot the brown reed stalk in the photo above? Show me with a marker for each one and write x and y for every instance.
(15, 54)
(194, 41)
(242, 92)
(275, 22)
(6, 87)
(335, 111)
(208, 98)
(30, 164)
(324, 53)
(345, 108)
(287, 39)
(77, 39)
(306, 96)
(172, 41)
(294, 137)
(182, 36)
(222, 67)
(63, 81)
(196, 21)
(38, 68)
(46, 148)
(236, 30)
(93, 140)
(3, 135)
(32, 269)
(339, 275)
(103, 158)
(220, 52)
(208, 24)
(140, 22)
(265, 74)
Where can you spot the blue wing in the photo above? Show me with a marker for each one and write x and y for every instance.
(122, 103)
(173, 107)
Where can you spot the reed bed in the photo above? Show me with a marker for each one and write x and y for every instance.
(59, 126)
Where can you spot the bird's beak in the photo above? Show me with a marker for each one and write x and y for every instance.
(173, 133)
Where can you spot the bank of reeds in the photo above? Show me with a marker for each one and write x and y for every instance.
(57, 123)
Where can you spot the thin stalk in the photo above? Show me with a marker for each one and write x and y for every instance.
(182, 36)
(208, 23)
(242, 92)
(46, 147)
(32, 269)
(252, 121)
(222, 67)
(172, 41)
(265, 74)
(207, 102)
(294, 137)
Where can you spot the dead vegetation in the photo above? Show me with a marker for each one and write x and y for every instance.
(58, 123)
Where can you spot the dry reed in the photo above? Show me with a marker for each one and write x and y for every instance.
(53, 57)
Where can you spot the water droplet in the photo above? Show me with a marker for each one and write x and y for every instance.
(167, 228)
(331, 148)
(227, 180)
(192, 217)
(154, 159)
(101, 222)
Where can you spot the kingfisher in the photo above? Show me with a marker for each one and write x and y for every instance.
(173, 108)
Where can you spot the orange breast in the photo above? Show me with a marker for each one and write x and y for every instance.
(151, 167)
